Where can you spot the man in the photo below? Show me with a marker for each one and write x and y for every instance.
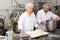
(44, 14)
(27, 20)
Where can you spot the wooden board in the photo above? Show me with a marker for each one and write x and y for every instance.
(37, 33)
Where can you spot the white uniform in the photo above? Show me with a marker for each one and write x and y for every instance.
(41, 15)
(27, 23)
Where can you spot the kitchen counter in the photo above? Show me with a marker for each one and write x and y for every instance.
(52, 36)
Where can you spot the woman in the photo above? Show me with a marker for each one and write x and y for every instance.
(27, 20)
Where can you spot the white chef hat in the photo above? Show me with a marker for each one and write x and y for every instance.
(46, 4)
(29, 4)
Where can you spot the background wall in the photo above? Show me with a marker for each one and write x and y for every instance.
(6, 6)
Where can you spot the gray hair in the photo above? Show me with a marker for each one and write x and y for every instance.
(47, 5)
(29, 4)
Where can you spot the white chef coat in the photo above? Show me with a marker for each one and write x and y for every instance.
(41, 15)
(27, 23)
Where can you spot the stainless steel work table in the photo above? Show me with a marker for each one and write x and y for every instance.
(52, 36)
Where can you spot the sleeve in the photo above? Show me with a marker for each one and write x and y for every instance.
(39, 18)
(54, 16)
(35, 22)
(20, 22)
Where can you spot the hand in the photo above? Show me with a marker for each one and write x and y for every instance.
(39, 28)
(56, 19)
(43, 22)
(22, 32)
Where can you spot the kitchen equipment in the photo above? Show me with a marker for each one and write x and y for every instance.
(2, 26)
(51, 25)
(37, 33)
(24, 37)
(3, 38)
(9, 35)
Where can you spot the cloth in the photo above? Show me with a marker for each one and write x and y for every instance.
(41, 15)
(27, 23)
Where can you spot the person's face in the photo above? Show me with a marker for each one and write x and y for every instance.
(30, 8)
(46, 8)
